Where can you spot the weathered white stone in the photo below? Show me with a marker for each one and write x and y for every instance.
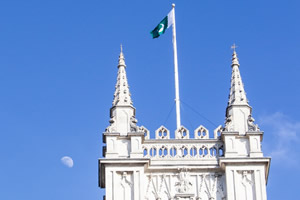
(228, 166)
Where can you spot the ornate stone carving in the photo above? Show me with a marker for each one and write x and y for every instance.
(246, 178)
(184, 184)
(220, 187)
(145, 131)
(182, 133)
(218, 132)
(165, 187)
(133, 126)
(124, 180)
(210, 184)
(201, 133)
(112, 127)
(158, 188)
(251, 125)
(228, 124)
(200, 187)
(126, 187)
(162, 133)
(148, 186)
(169, 150)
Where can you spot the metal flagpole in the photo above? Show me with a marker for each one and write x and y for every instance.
(176, 72)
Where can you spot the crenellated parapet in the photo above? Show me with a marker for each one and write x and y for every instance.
(183, 133)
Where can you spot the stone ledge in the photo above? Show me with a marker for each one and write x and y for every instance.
(181, 141)
(246, 161)
(123, 160)
(116, 134)
(255, 133)
(177, 162)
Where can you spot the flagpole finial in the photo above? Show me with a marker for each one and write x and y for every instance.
(173, 5)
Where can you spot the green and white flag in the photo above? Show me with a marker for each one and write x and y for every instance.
(160, 29)
(163, 25)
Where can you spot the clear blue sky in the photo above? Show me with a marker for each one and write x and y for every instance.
(58, 68)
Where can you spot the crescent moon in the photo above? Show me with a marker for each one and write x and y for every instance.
(161, 28)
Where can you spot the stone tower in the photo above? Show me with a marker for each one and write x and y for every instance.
(228, 166)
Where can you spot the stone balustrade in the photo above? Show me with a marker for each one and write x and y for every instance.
(190, 149)
(183, 146)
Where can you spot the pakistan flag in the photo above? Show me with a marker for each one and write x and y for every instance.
(163, 25)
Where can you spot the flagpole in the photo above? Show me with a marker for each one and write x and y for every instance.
(177, 100)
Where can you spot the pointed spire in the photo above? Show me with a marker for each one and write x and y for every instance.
(237, 94)
(122, 113)
(122, 95)
(238, 111)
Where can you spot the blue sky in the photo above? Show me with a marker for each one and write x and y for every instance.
(58, 62)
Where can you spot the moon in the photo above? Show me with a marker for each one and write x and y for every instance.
(67, 161)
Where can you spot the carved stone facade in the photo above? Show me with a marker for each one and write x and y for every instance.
(230, 165)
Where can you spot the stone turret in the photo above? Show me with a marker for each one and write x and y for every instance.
(245, 166)
(241, 136)
(122, 137)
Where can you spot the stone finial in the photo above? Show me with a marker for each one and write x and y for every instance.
(235, 60)
(121, 58)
